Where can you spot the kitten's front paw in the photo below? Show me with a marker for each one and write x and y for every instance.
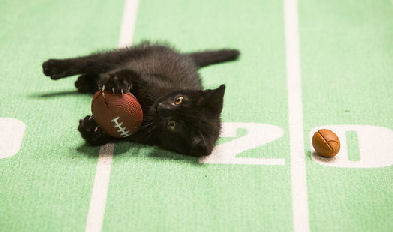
(92, 132)
(118, 82)
(86, 84)
(55, 69)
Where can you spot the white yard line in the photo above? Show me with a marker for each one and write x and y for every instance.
(95, 216)
(128, 23)
(295, 114)
(96, 213)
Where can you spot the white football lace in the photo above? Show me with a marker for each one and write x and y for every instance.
(123, 130)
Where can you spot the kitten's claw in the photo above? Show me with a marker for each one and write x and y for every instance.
(102, 89)
(117, 82)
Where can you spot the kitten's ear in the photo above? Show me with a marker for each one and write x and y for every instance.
(213, 99)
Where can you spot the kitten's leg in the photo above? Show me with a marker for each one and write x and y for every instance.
(60, 68)
(92, 64)
(92, 132)
(118, 82)
(208, 57)
(87, 83)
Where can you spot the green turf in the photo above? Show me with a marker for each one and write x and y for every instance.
(346, 56)
(178, 194)
(47, 185)
(353, 145)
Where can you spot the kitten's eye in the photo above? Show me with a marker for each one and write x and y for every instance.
(171, 125)
(178, 100)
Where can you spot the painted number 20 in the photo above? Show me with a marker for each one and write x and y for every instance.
(375, 145)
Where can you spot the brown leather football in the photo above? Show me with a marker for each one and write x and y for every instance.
(326, 143)
(118, 115)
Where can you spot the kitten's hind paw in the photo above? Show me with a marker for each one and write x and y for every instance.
(56, 69)
(92, 132)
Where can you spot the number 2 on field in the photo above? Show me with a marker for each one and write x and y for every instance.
(258, 135)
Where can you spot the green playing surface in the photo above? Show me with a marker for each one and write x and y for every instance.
(47, 173)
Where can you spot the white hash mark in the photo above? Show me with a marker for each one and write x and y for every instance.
(95, 216)
(123, 130)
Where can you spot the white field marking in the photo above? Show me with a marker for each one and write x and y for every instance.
(96, 212)
(257, 135)
(295, 114)
(374, 151)
(11, 135)
(128, 23)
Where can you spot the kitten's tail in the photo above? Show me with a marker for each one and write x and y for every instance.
(206, 58)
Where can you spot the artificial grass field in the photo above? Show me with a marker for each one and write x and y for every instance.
(346, 64)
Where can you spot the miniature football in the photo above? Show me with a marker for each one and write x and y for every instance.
(326, 143)
(118, 115)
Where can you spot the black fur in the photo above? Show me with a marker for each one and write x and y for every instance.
(157, 75)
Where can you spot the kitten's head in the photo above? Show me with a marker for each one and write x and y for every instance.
(189, 122)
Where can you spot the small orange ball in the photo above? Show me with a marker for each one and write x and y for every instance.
(326, 143)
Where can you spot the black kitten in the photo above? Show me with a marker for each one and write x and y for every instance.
(178, 114)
